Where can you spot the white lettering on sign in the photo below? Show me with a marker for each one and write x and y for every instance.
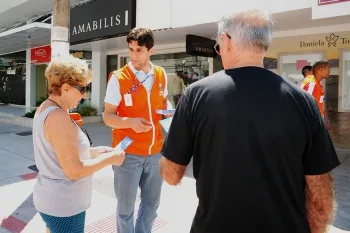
(126, 18)
(100, 24)
(40, 53)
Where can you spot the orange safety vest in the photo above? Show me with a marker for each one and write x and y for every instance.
(144, 105)
(314, 87)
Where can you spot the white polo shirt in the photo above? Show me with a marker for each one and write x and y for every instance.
(113, 95)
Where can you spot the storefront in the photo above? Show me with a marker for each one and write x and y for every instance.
(191, 62)
(294, 52)
(97, 22)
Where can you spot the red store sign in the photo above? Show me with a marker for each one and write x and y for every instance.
(40, 55)
(323, 2)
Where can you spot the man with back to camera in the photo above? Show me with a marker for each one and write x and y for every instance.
(306, 71)
(133, 95)
(262, 155)
(312, 83)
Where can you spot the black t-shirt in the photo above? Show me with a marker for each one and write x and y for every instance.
(253, 137)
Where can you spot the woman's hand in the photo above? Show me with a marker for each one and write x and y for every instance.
(98, 150)
(118, 158)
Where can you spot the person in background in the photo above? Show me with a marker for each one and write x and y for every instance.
(133, 95)
(262, 156)
(312, 83)
(62, 151)
(306, 71)
(177, 86)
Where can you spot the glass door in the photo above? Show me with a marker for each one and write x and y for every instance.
(345, 82)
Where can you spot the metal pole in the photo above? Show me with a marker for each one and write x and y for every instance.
(60, 28)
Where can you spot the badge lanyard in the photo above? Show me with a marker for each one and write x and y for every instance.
(135, 87)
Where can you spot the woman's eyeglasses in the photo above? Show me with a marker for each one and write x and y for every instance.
(82, 90)
(217, 46)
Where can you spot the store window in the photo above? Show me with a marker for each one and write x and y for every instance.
(291, 65)
(189, 68)
(346, 80)
(12, 78)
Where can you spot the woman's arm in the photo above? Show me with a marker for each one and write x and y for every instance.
(63, 135)
(98, 150)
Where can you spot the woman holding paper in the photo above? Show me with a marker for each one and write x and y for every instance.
(62, 151)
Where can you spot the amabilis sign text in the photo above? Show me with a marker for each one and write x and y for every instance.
(333, 40)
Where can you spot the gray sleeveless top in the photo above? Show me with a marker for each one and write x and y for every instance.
(54, 194)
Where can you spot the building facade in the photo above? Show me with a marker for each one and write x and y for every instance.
(304, 31)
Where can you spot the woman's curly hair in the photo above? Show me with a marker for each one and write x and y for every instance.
(70, 70)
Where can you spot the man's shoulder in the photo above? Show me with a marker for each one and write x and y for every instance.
(121, 73)
(159, 69)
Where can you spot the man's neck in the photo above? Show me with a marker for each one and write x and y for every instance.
(245, 59)
(318, 78)
(145, 68)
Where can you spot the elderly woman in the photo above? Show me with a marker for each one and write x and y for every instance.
(62, 151)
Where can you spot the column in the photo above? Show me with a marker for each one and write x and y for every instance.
(211, 65)
(99, 80)
(30, 83)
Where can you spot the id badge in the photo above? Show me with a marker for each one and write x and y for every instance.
(321, 99)
(128, 99)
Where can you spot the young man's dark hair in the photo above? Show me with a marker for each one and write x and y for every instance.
(143, 36)
(320, 64)
(305, 70)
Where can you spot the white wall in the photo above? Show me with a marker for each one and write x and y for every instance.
(155, 14)
(191, 12)
(330, 10)
(159, 14)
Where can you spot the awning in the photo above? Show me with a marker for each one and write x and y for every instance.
(25, 37)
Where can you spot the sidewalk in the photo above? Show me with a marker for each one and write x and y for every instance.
(17, 181)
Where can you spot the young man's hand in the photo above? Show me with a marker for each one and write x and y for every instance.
(139, 125)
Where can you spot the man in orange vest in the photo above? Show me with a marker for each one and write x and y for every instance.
(312, 83)
(133, 95)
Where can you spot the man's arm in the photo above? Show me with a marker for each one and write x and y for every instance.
(171, 172)
(111, 118)
(178, 146)
(320, 206)
(139, 125)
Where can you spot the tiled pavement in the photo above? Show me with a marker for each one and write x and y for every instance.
(177, 207)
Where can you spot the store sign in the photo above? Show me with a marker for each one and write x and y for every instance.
(200, 46)
(323, 2)
(102, 19)
(333, 40)
(40, 55)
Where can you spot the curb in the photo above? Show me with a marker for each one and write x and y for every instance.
(28, 122)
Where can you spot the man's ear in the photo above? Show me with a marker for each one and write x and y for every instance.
(151, 51)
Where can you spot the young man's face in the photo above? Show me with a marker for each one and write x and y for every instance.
(325, 71)
(139, 55)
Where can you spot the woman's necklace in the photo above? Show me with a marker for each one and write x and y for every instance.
(55, 103)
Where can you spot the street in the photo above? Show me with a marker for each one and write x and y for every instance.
(17, 180)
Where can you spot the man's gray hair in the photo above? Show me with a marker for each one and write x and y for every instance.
(250, 29)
